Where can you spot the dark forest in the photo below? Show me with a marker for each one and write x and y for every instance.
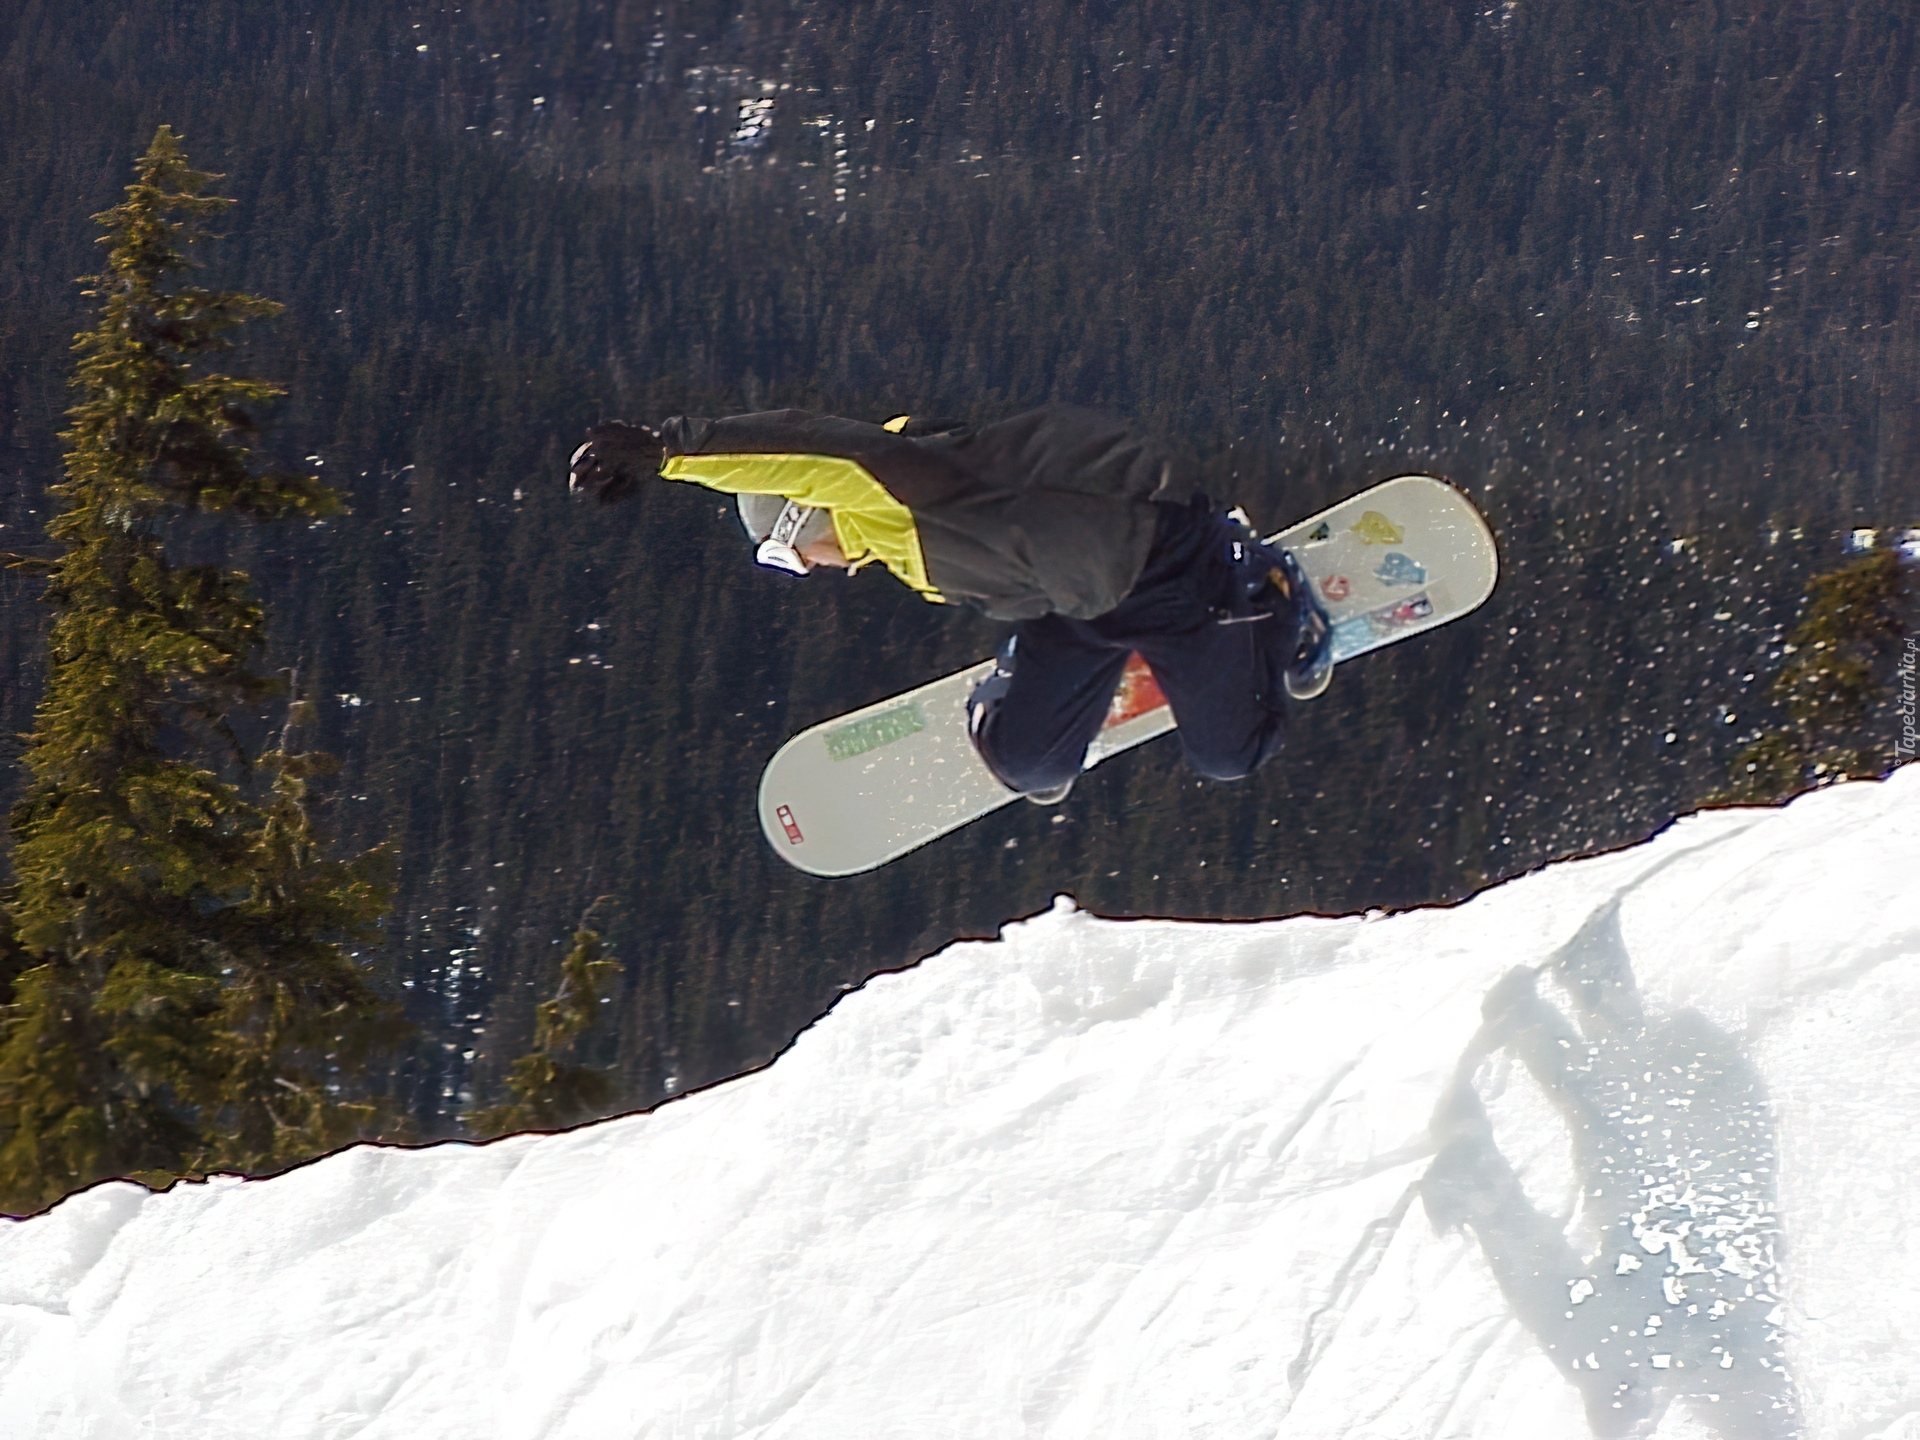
(1642, 278)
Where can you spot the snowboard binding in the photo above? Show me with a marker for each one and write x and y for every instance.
(1310, 671)
(1278, 587)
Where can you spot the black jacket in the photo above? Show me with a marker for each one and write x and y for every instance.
(1049, 511)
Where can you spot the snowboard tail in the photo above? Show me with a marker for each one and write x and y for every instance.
(854, 792)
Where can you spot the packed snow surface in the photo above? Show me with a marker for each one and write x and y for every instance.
(1625, 1146)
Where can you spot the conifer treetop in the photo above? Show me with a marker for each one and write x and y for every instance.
(149, 435)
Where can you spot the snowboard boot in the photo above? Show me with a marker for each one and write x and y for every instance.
(980, 702)
(1052, 795)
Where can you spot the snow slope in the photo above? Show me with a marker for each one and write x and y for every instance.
(1423, 1175)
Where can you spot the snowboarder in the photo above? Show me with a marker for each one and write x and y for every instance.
(1061, 520)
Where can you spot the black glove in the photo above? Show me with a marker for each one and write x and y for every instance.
(610, 465)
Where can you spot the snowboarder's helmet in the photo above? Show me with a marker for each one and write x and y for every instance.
(782, 528)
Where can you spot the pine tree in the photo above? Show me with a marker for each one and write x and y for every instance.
(547, 1092)
(182, 996)
(1828, 686)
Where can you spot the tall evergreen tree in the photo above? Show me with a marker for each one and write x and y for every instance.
(180, 994)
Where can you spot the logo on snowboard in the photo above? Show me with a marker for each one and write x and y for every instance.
(871, 733)
(1398, 569)
(1400, 614)
(1373, 528)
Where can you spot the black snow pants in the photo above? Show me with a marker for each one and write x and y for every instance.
(1216, 656)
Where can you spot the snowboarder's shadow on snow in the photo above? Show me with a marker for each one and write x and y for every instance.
(1672, 1143)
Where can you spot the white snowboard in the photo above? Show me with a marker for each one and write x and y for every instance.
(856, 791)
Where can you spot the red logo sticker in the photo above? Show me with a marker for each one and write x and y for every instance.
(1335, 587)
(785, 815)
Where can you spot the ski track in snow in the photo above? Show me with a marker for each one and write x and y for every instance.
(1434, 1174)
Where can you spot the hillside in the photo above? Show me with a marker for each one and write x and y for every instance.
(1630, 1129)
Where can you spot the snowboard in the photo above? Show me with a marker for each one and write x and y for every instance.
(854, 792)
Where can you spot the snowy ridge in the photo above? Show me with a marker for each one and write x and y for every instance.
(1568, 1159)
